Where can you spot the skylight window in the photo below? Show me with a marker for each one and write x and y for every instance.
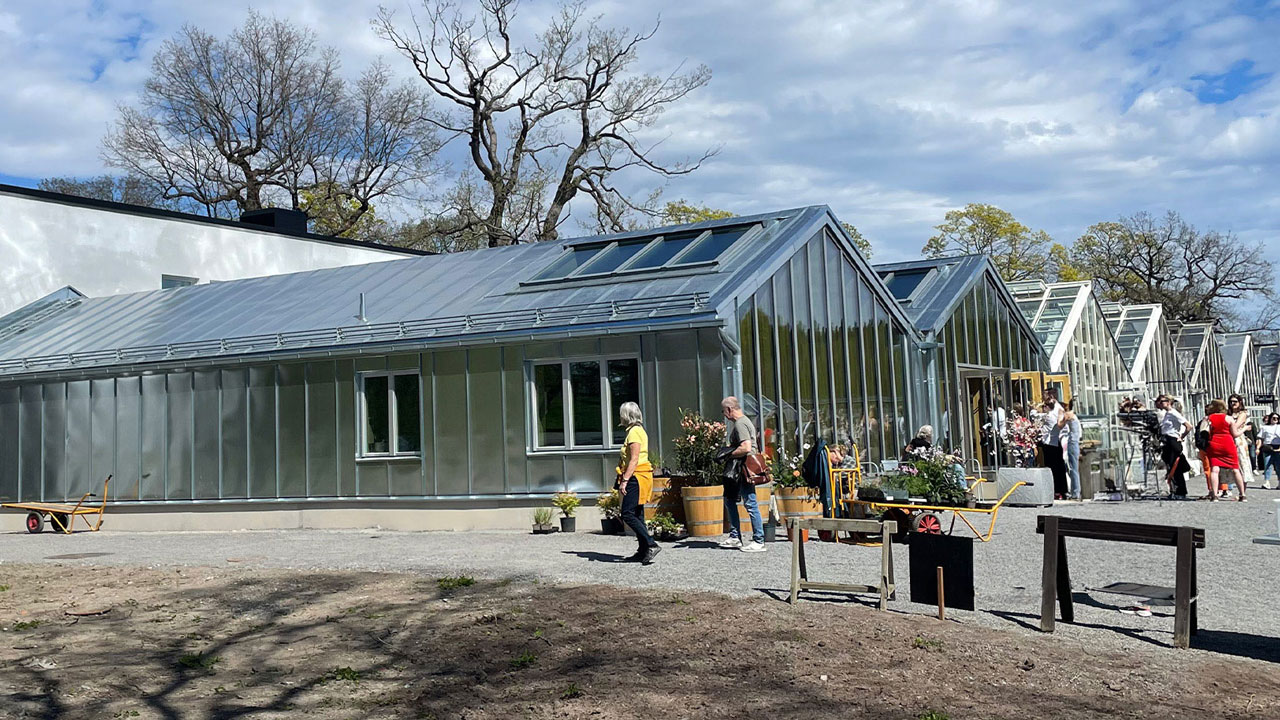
(645, 253)
(662, 250)
(570, 261)
(904, 282)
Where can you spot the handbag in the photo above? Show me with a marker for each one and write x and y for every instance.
(757, 469)
(1202, 440)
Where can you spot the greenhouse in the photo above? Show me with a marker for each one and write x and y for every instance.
(476, 380)
(980, 349)
(1269, 366)
(1203, 365)
(1070, 321)
(1244, 373)
(1146, 344)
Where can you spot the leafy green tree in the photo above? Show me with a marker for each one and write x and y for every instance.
(681, 212)
(1061, 267)
(1017, 251)
(334, 212)
(860, 242)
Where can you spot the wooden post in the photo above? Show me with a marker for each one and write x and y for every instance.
(886, 567)
(942, 602)
(796, 549)
(1049, 574)
(1066, 605)
(1182, 600)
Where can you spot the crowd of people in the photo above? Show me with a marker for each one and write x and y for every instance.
(1227, 442)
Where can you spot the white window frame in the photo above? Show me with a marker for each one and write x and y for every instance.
(393, 417)
(607, 408)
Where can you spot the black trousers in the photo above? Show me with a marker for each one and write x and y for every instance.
(1175, 463)
(633, 515)
(1054, 460)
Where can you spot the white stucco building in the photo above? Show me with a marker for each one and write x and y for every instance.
(49, 241)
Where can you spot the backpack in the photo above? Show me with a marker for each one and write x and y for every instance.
(1202, 440)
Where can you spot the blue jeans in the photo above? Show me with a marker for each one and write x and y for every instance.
(1270, 461)
(747, 492)
(1073, 466)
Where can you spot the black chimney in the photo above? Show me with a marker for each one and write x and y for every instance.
(293, 221)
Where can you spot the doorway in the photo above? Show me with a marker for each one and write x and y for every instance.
(986, 413)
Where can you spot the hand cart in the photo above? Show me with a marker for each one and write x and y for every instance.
(63, 515)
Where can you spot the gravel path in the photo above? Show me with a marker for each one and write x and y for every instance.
(1238, 615)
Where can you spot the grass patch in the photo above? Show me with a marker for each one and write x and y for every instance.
(454, 582)
(923, 643)
(523, 660)
(345, 673)
(199, 661)
(26, 625)
(571, 692)
(933, 715)
(4, 588)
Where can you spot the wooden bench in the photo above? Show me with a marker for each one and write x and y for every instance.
(1056, 579)
(800, 571)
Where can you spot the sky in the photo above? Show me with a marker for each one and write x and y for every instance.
(892, 113)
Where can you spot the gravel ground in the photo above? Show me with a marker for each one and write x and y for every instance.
(1238, 613)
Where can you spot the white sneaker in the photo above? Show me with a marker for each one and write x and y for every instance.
(753, 547)
(731, 542)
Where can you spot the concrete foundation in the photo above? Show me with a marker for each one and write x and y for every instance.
(402, 515)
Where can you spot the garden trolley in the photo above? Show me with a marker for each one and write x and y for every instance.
(63, 516)
(912, 515)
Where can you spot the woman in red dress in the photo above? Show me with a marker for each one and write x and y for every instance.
(1222, 452)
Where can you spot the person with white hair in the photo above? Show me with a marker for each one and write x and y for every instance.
(635, 480)
(923, 439)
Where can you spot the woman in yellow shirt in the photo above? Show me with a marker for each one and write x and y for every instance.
(635, 480)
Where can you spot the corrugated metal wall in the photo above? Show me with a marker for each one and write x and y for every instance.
(289, 429)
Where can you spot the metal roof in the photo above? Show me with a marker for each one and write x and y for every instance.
(468, 294)
(938, 286)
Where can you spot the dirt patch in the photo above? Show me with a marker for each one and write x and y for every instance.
(232, 642)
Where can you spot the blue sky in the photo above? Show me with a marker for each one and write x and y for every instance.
(1064, 114)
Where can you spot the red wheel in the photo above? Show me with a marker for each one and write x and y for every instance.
(35, 522)
(927, 523)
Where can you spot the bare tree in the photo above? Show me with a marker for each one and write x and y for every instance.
(128, 189)
(544, 121)
(1196, 275)
(260, 117)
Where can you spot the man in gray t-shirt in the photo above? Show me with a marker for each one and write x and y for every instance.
(740, 435)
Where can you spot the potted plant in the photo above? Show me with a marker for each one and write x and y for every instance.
(694, 454)
(542, 521)
(665, 528)
(567, 503)
(794, 496)
(610, 505)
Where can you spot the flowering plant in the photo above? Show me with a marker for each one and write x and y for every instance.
(610, 504)
(933, 474)
(1022, 435)
(787, 470)
(695, 448)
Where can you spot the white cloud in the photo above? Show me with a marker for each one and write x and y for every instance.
(892, 112)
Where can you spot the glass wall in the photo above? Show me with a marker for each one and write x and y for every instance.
(829, 360)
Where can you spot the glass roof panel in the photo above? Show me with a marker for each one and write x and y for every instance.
(613, 258)
(665, 249)
(570, 261)
(715, 245)
(1191, 338)
(1054, 317)
(904, 282)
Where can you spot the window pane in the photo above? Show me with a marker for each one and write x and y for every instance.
(664, 250)
(548, 394)
(376, 415)
(613, 258)
(904, 282)
(714, 245)
(584, 384)
(408, 415)
(570, 261)
(624, 386)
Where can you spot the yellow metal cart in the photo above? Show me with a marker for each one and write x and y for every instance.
(62, 516)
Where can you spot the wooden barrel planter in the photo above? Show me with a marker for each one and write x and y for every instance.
(703, 509)
(764, 494)
(665, 498)
(798, 502)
